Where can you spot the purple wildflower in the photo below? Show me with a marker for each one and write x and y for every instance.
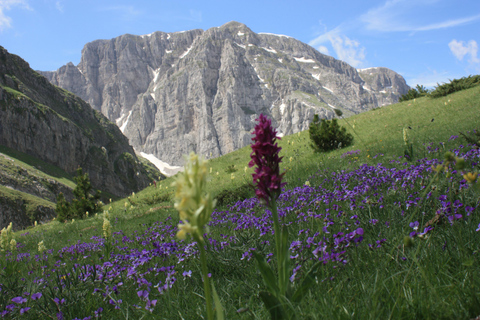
(23, 310)
(36, 296)
(143, 294)
(267, 178)
(19, 300)
(478, 229)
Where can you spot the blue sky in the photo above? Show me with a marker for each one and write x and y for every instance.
(426, 41)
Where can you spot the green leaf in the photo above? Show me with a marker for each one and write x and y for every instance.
(218, 304)
(306, 284)
(273, 306)
(284, 258)
(267, 274)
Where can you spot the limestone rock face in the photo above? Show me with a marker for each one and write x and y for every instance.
(59, 128)
(172, 93)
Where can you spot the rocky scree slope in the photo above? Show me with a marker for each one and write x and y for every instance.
(171, 93)
(51, 124)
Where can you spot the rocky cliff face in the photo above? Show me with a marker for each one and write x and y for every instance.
(59, 128)
(171, 93)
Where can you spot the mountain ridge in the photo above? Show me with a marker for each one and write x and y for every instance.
(195, 90)
(57, 127)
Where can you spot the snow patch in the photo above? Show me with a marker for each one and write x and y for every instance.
(164, 167)
(240, 33)
(241, 46)
(147, 35)
(331, 106)
(156, 73)
(122, 128)
(269, 50)
(282, 107)
(186, 52)
(277, 35)
(316, 76)
(365, 88)
(261, 80)
(316, 67)
(302, 59)
(168, 51)
(280, 60)
(328, 89)
(372, 68)
(152, 95)
(168, 36)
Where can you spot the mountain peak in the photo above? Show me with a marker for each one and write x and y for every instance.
(201, 91)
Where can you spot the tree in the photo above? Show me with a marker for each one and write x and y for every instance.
(83, 200)
(327, 135)
(417, 92)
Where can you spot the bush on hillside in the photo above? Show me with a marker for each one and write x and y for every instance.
(327, 135)
(230, 197)
(83, 200)
(417, 92)
(472, 137)
(455, 85)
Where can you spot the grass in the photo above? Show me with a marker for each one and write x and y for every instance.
(377, 277)
(35, 165)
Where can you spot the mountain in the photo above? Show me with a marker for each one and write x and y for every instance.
(171, 93)
(58, 128)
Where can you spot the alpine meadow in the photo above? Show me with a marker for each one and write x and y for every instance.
(387, 227)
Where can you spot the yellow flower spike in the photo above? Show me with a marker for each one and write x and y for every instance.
(471, 177)
(193, 204)
(438, 168)
(107, 228)
(13, 245)
(41, 247)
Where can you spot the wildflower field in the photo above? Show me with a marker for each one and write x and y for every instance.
(392, 222)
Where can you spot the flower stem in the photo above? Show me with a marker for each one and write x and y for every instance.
(206, 279)
(279, 248)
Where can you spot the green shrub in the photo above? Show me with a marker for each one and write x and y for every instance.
(327, 135)
(455, 85)
(83, 200)
(417, 92)
(226, 197)
(231, 169)
(472, 137)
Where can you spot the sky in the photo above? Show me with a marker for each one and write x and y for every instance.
(428, 42)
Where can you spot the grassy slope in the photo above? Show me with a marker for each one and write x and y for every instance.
(378, 131)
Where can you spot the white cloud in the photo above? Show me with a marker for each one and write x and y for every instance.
(125, 12)
(5, 21)
(394, 16)
(59, 6)
(460, 50)
(430, 78)
(323, 49)
(348, 50)
(195, 15)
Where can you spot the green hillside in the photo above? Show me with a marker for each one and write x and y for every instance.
(394, 268)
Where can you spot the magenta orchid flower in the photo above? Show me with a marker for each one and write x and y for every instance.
(267, 178)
